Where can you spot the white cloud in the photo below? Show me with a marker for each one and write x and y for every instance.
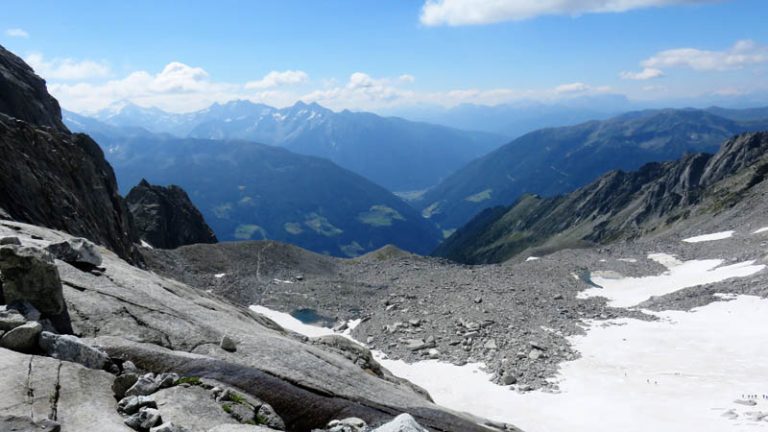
(277, 78)
(742, 53)
(17, 33)
(67, 69)
(178, 87)
(580, 88)
(467, 12)
(406, 78)
(644, 75)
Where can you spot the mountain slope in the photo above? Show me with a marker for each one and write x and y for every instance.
(398, 154)
(253, 191)
(49, 176)
(619, 205)
(558, 160)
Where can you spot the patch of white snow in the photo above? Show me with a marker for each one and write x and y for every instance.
(709, 237)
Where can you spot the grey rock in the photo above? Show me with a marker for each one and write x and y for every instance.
(266, 415)
(132, 404)
(240, 412)
(352, 424)
(433, 353)
(535, 354)
(10, 241)
(179, 405)
(76, 251)
(145, 385)
(122, 383)
(22, 338)
(490, 344)
(401, 423)
(143, 420)
(228, 344)
(26, 424)
(71, 348)
(508, 379)
(240, 428)
(27, 309)
(166, 380)
(10, 318)
(29, 274)
(168, 427)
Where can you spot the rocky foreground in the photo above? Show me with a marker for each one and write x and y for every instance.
(91, 342)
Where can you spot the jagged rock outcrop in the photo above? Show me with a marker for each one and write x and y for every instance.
(23, 94)
(49, 176)
(618, 205)
(165, 217)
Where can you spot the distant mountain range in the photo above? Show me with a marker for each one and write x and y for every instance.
(249, 191)
(558, 160)
(514, 120)
(617, 206)
(398, 154)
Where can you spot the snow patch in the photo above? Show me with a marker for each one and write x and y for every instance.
(761, 230)
(281, 281)
(531, 258)
(628, 292)
(628, 260)
(146, 245)
(709, 237)
(219, 275)
(290, 323)
(682, 373)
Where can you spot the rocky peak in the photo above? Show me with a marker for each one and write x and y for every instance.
(23, 94)
(49, 176)
(165, 217)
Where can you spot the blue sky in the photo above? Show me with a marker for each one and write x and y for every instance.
(377, 55)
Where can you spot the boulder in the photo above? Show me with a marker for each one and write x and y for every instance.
(10, 319)
(401, 423)
(228, 344)
(71, 348)
(122, 383)
(143, 420)
(240, 428)
(22, 338)
(241, 412)
(30, 274)
(76, 251)
(145, 385)
(266, 415)
(10, 241)
(351, 424)
(132, 404)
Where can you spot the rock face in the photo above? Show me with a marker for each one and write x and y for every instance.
(23, 94)
(49, 176)
(618, 205)
(165, 217)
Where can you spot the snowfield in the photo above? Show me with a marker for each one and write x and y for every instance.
(710, 237)
(684, 372)
(628, 292)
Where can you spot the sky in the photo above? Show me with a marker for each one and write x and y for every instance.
(380, 55)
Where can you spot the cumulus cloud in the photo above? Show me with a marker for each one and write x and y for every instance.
(178, 87)
(67, 69)
(644, 75)
(406, 78)
(469, 12)
(360, 89)
(742, 53)
(277, 78)
(17, 33)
